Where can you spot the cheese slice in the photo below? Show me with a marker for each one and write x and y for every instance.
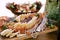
(31, 22)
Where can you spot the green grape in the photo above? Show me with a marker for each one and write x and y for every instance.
(52, 26)
(12, 6)
(4, 27)
(47, 24)
(32, 6)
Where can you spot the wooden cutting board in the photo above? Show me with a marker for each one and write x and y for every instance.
(29, 36)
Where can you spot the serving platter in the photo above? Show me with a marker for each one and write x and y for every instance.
(29, 36)
(34, 35)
